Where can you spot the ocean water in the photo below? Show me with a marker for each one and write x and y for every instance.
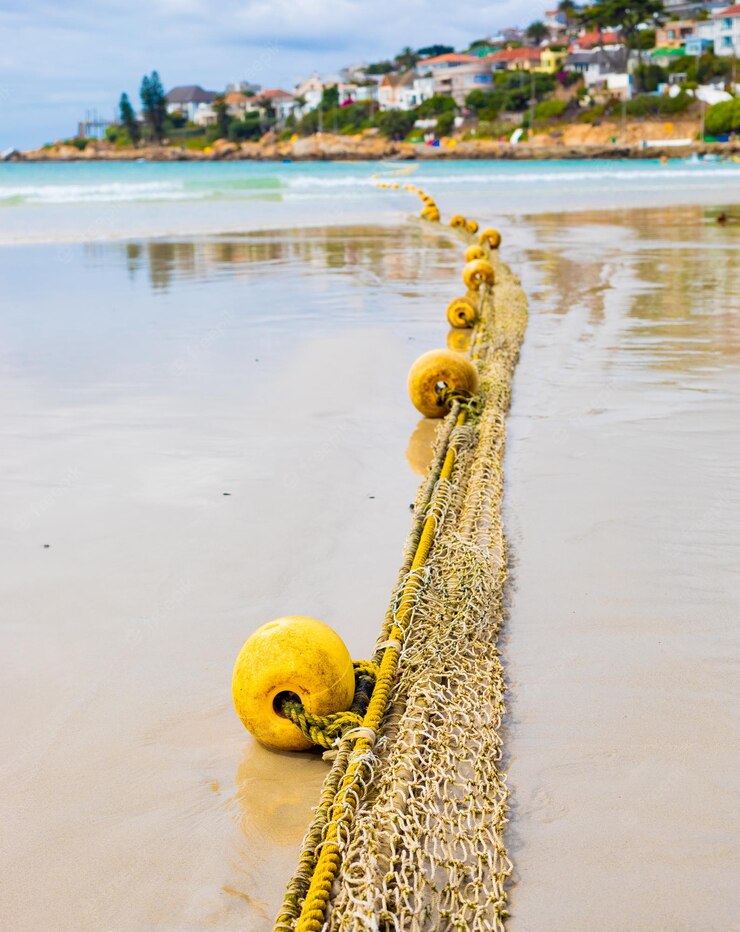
(47, 202)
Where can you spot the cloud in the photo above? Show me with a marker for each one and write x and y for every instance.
(60, 60)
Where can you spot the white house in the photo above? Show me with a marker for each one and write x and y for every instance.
(727, 31)
(311, 90)
(459, 82)
(191, 100)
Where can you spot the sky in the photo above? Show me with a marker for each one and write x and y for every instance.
(59, 60)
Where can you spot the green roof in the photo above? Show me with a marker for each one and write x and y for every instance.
(667, 53)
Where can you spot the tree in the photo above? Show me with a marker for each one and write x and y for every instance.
(433, 106)
(627, 15)
(406, 59)
(221, 109)
(432, 51)
(154, 105)
(396, 124)
(329, 98)
(128, 119)
(537, 31)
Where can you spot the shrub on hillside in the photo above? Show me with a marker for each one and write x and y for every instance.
(436, 105)
(395, 124)
(549, 109)
(723, 118)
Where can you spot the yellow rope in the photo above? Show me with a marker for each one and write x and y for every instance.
(457, 534)
(311, 918)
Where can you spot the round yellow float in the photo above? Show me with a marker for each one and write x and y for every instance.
(457, 221)
(478, 272)
(490, 238)
(461, 313)
(435, 371)
(295, 655)
(471, 226)
(431, 214)
(475, 252)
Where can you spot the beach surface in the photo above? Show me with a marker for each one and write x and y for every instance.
(203, 432)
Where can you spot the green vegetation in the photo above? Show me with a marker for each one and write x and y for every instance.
(651, 105)
(549, 109)
(537, 31)
(435, 106)
(128, 119)
(628, 15)
(154, 105)
(395, 124)
(723, 118)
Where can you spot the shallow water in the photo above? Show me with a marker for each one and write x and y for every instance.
(201, 433)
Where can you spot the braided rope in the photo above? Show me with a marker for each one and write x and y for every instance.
(325, 730)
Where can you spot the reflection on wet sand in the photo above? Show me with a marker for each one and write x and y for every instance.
(679, 265)
(622, 508)
(391, 254)
(272, 808)
(421, 444)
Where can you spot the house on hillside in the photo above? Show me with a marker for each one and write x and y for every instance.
(191, 100)
(237, 104)
(596, 39)
(596, 65)
(515, 60)
(440, 62)
(727, 31)
(673, 34)
(552, 60)
(556, 21)
(280, 101)
(404, 91)
(458, 82)
(310, 91)
(243, 87)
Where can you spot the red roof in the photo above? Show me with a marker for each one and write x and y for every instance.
(274, 92)
(590, 40)
(515, 55)
(457, 57)
(730, 11)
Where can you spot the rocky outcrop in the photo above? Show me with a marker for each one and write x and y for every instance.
(572, 141)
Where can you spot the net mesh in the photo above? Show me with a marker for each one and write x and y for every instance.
(425, 847)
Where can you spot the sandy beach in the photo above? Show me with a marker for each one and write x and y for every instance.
(207, 430)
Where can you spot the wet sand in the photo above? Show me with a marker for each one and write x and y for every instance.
(208, 433)
(623, 511)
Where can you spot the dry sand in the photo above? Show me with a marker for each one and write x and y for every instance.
(141, 383)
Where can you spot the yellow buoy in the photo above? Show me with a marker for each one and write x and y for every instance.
(475, 252)
(457, 221)
(491, 238)
(431, 214)
(471, 226)
(461, 313)
(478, 272)
(296, 655)
(437, 371)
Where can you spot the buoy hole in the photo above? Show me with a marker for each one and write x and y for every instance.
(281, 698)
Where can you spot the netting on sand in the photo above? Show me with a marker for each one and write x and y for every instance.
(417, 838)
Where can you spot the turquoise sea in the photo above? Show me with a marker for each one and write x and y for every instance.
(44, 202)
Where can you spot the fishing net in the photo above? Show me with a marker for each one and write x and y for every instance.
(416, 834)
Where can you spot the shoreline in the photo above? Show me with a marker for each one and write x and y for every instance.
(330, 148)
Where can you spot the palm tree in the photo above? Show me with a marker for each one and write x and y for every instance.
(537, 31)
